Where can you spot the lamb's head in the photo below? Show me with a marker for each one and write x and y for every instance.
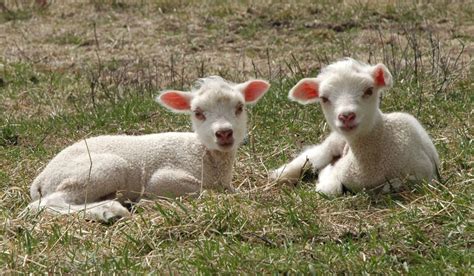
(218, 109)
(349, 93)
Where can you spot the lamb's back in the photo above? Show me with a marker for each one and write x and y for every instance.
(165, 149)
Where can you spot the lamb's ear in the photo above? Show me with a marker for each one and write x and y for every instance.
(176, 101)
(306, 91)
(253, 90)
(382, 77)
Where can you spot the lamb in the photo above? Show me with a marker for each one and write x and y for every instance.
(366, 149)
(97, 174)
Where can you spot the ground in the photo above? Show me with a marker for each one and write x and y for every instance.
(76, 69)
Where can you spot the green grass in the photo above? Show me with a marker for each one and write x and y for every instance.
(53, 94)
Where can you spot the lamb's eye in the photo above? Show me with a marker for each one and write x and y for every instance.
(324, 99)
(368, 92)
(199, 114)
(239, 109)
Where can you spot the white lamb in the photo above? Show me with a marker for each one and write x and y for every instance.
(367, 148)
(97, 174)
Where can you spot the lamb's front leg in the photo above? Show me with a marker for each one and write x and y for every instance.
(315, 158)
(172, 183)
(328, 181)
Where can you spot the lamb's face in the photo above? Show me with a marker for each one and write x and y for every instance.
(349, 102)
(217, 110)
(348, 92)
(219, 118)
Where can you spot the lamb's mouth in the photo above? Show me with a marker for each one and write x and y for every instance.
(226, 145)
(348, 128)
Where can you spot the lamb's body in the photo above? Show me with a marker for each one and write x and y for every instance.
(97, 174)
(367, 149)
(396, 149)
(134, 165)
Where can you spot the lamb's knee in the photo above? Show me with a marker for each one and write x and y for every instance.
(35, 192)
(328, 183)
(36, 189)
(330, 188)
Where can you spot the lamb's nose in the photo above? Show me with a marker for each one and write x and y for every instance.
(224, 134)
(346, 117)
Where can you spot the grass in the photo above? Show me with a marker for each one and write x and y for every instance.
(78, 69)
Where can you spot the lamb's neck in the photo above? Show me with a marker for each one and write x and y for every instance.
(218, 168)
(220, 158)
(368, 140)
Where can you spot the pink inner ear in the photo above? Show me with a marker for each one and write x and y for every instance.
(306, 91)
(254, 90)
(379, 77)
(175, 100)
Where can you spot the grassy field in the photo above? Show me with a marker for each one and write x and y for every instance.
(76, 69)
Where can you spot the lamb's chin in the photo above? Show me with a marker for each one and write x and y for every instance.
(351, 131)
(220, 148)
(226, 147)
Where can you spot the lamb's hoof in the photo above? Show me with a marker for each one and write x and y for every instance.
(392, 186)
(230, 190)
(281, 177)
(111, 217)
(108, 212)
(274, 175)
